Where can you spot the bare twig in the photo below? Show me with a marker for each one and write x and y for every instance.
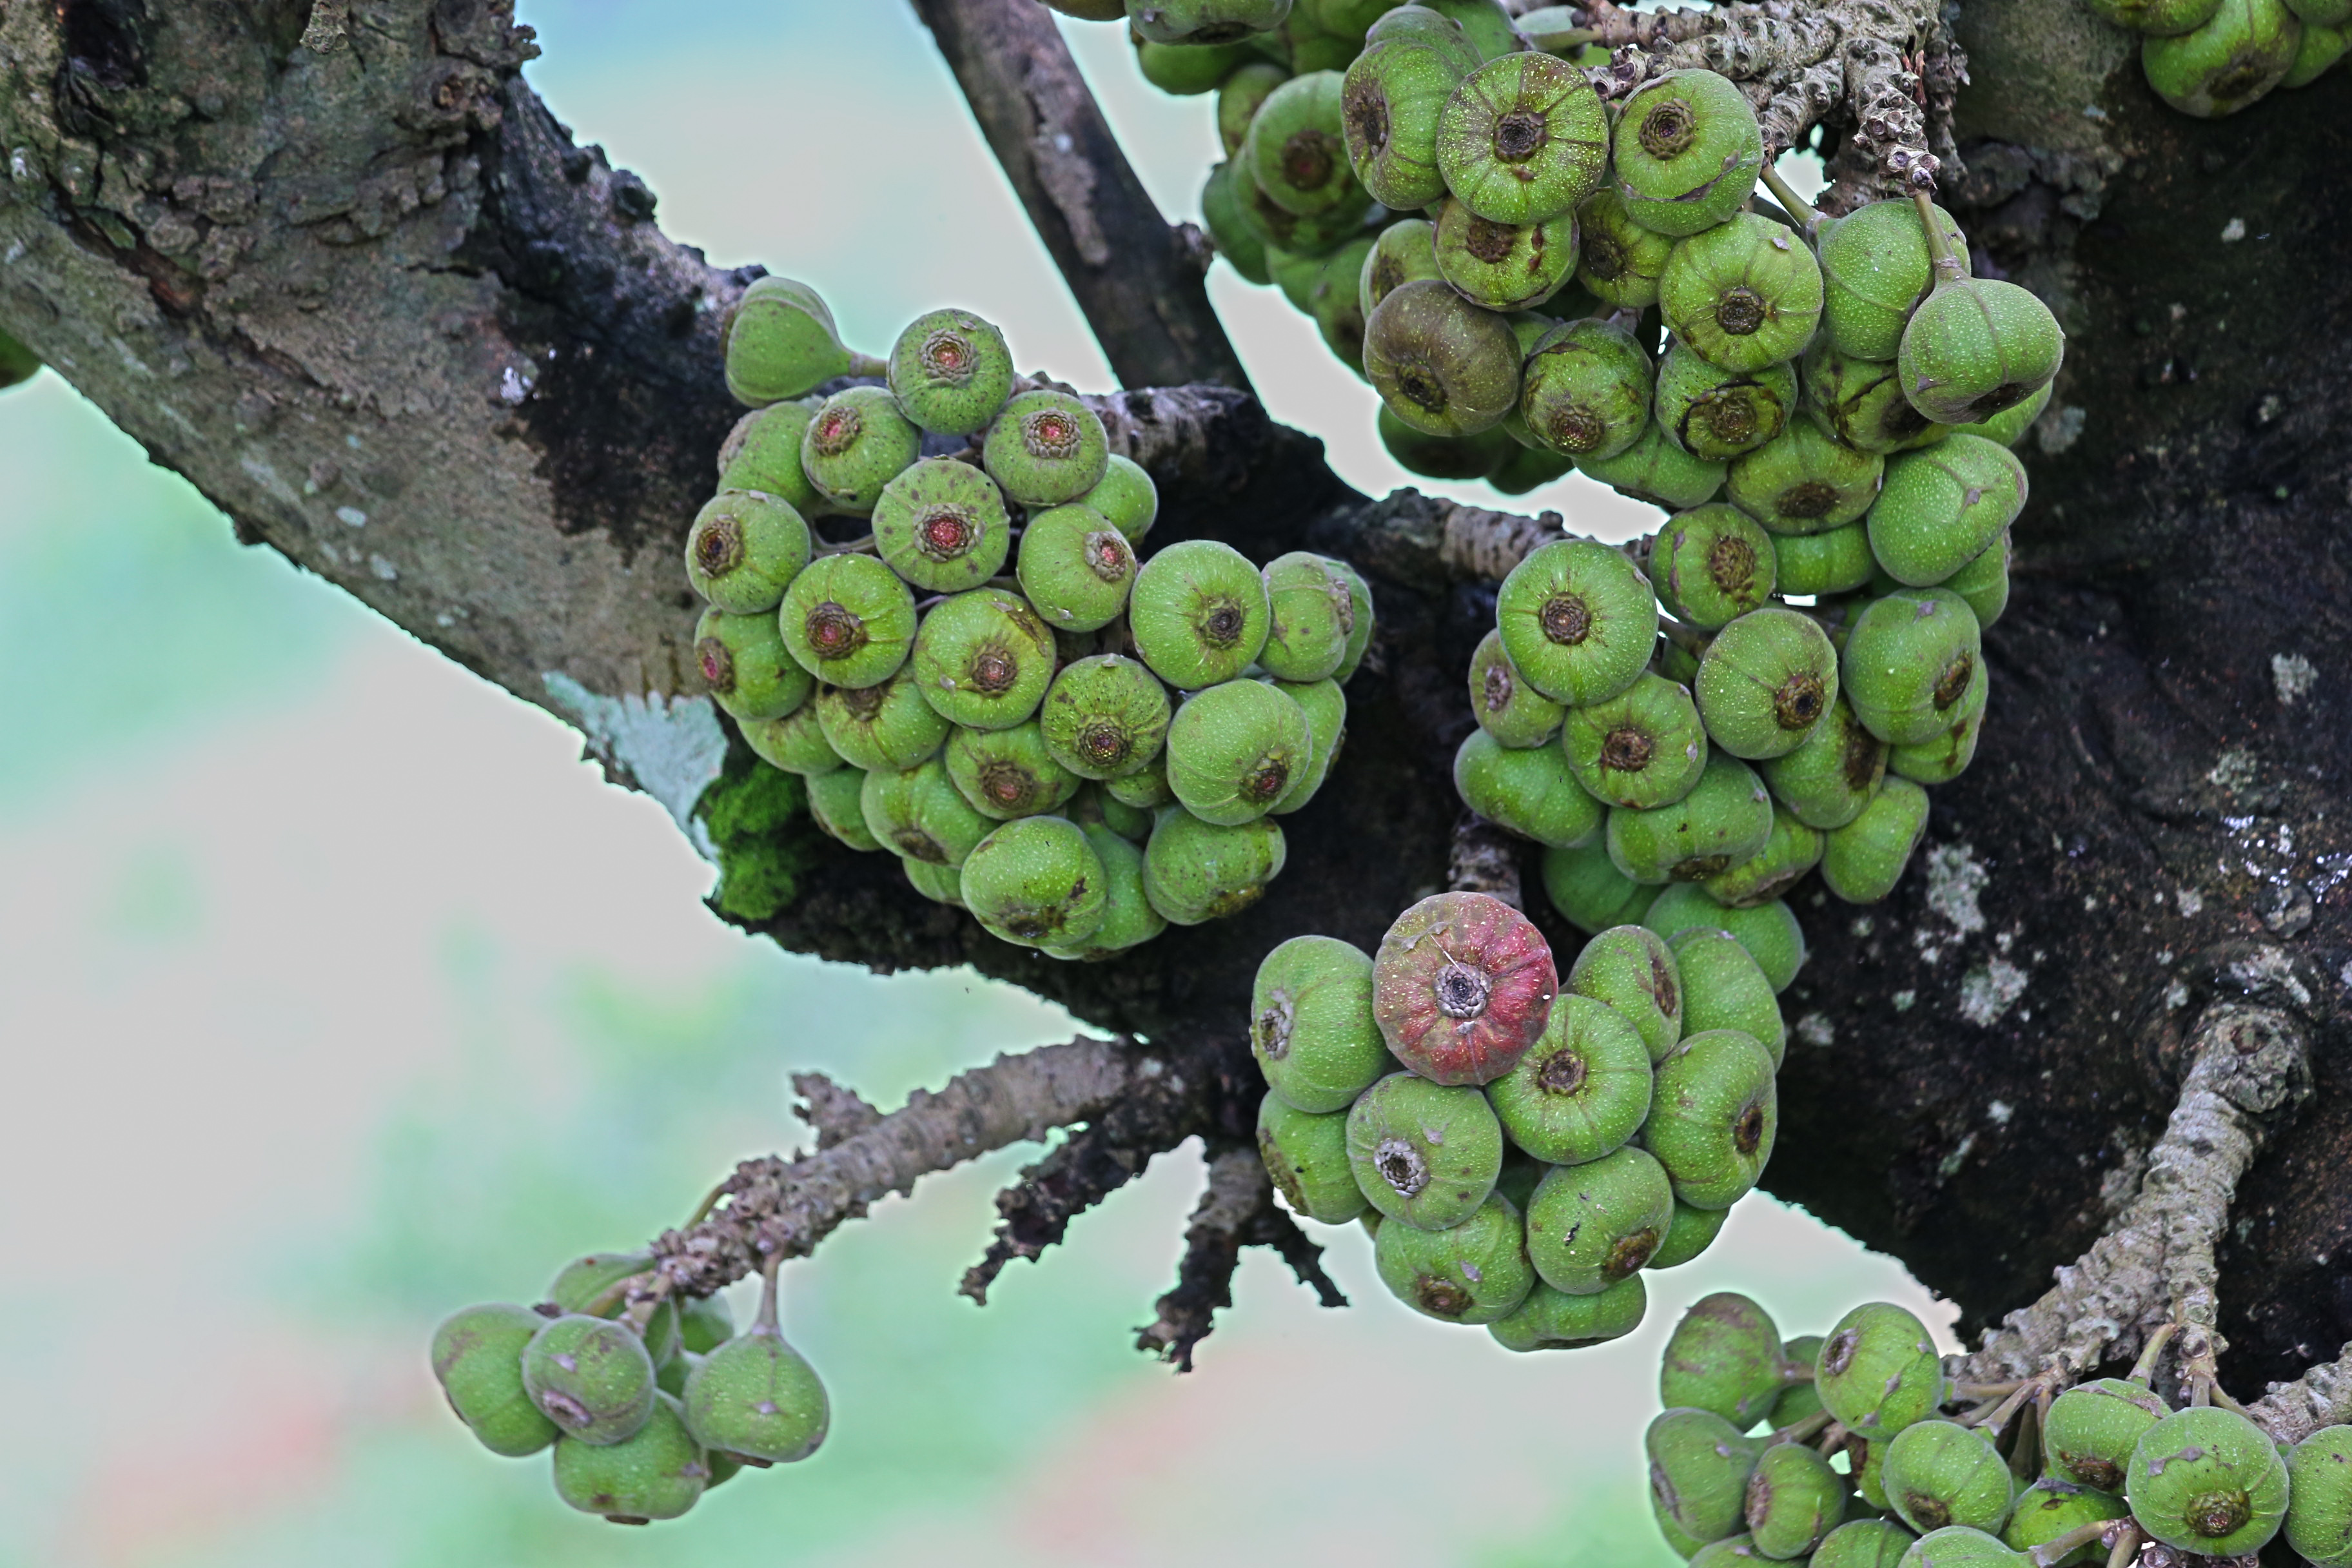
(834, 1114)
(2156, 1265)
(1236, 1210)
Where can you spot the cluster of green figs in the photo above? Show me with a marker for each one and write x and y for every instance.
(646, 1412)
(1076, 745)
(2210, 58)
(1521, 1147)
(1854, 1449)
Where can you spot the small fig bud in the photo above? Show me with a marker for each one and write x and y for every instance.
(2092, 1428)
(1442, 364)
(1725, 818)
(477, 1360)
(1311, 1024)
(1475, 1272)
(782, 342)
(1523, 138)
(950, 372)
(1514, 713)
(1585, 886)
(1713, 1116)
(1724, 987)
(1724, 1357)
(837, 804)
(1878, 1370)
(1804, 481)
(2208, 1481)
(982, 658)
(857, 443)
(1861, 861)
(1692, 1232)
(1642, 748)
(1793, 1499)
(660, 1471)
(1711, 565)
(743, 660)
(1909, 661)
(888, 726)
(1006, 774)
(1592, 1224)
(1198, 613)
(744, 551)
(1939, 1473)
(1582, 1091)
(1552, 1320)
(1036, 881)
(1424, 1154)
(1586, 390)
(848, 620)
(758, 1397)
(590, 1376)
(1978, 346)
(1531, 791)
(1688, 151)
(1045, 447)
(1745, 294)
(1578, 620)
(1195, 870)
(1633, 971)
(1104, 717)
(1306, 1156)
(1462, 986)
(942, 526)
(1942, 508)
(1656, 471)
(1699, 1469)
(919, 814)
(2048, 1510)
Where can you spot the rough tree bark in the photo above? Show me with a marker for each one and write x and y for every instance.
(230, 241)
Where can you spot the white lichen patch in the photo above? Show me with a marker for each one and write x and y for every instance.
(2191, 901)
(2059, 428)
(2269, 966)
(1902, 1001)
(2231, 232)
(2292, 675)
(673, 746)
(1990, 989)
(351, 516)
(1815, 1029)
(1955, 879)
(2233, 770)
(2000, 1110)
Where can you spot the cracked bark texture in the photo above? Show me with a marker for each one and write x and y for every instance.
(376, 306)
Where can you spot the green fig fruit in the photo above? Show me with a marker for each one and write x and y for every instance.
(1714, 1116)
(2319, 1505)
(660, 1471)
(1198, 614)
(1641, 748)
(1424, 1153)
(1692, 1232)
(1474, 1272)
(2162, 18)
(1861, 861)
(1234, 750)
(1326, 706)
(1633, 971)
(1586, 390)
(1390, 103)
(1725, 818)
(762, 453)
(950, 372)
(1075, 567)
(477, 1360)
(1531, 791)
(1006, 774)
(2048, 1510)
(885, 727)
(1804, 481)
(1311, 615)
(1712, 565)
(1405, 252)
(1549, 1319)
(1700, 1466)
(1837, 561)
(1793, 1501)
(2244, 51)
(1621, 259)
(1195, 870)
(782, 342)
(1828, 780)
(836, 804)
(1297, 147)
(857, 443)
(1745, 294)
(743, 660)
(848, 620)
(1582, 1091)
(1875, 270)
(1654, 470)
(1188, 69)
(1036, 881)
(1724, 1357)
(1306, 1156)
(1523, 138)
(1578, 620)
(1909, 661)
(919, 814)
(1718, 414)
(2092, 1428)
(1311, 1024)
(2207, 1479)
(1129, 918)
(590, 1376)
(1126, 497)
(1937, 1473)
(1797, 1401)
(1585, 886)
(1229, 230)
(756, 1396)
(1864, 1543)
(745, 550)
(1507, 707)
(1688, 151)
(1504, 266)
(1978, 345)
(1204, 21)
(1878, 1370)
(795, 743)
(1793, 849)
(1725, 988)
(1104, 717)
(1592, 1224)
(1861, 403)
(1942, 508)
(1442, 364)
(942, 526)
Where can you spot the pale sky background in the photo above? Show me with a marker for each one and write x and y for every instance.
(340, 993)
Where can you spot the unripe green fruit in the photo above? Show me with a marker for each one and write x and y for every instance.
(2162, 18)
(1195, 870)
(1592, 1224)
(2319, 1510)
(1405, 252)
(1793, 849)
(1475, 1272)
(1959, 1546)
(1641, 748)
(1868, 1457)
(1797, 1401)
(1311, 1024)
(1711, 565)
(1699, 1469)
(757, 1396)
(2244, 50)
(983, 659)
(1939, 1473)
(1129, 918)
(940, 884)
(848, 620)
(1828, 780)
(2048, 1510)
(1944, 507)
(1503, 266)
(1347, 20)
(1204, 21)
(1656, 471)
(745, 550)
(1793, 1499)
(1234, 238)
(1875, 270)
(782, 342)
(1948, 754)
(1549, 1319)
(795, 744)
(1296, 148)
(1424, 1153)
(1621, 259)
(1441, 456)
(762, 453)
(2092, 1428)
(1714, 1116)
(1092, 804)
(1145, 789)
(1861, 861)
(1335, 300)
(1723, 1357)
(670, 1377)
(1198, 614)
(1766, 681)
(1306, 1157)
(1909, 660)
(1507, 707)
(1836, 562)
(1532, 792)
(2323, 49)
(1582, 1091)
(1304, 44)
(1634, 972)
(857, 443)
(1863, 1543)
(1586, 390)
(918, 812)
(590, 1376)
(1075, 568)
(1125, 497)
(2207, 1479)
(1240, 96)
(2007, 427)
(1045, 447)
(1006, 774)
(1523, 138)
(1725, 818)
(1585, 886)
(1036, 881)
(1878, 1370)
(1235, 748)
(1461, 986)
(1391, 100)
(1104, 717)
(1285, 235)
(1984, 581)
(704, 1323)
(1728, 1553)
(743, 661)
(941, 525)
(1724, 988)
(1861, 403)
(837, 805)
(888, 726)
(1687, 152)
(1803, 482)
(1692, 1232)
(477, 1360)
(1718, 414)
(658, 1472)
(1311, 615)
(1186, 69)
(586, 1282)
(1745, 294)
(2320, 12)
(1578, 620)
(1978, 346)
(950, 372)
(1441, 364)
(1326, 706)
(1484, 23)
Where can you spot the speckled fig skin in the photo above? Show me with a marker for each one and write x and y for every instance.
(1699, 1469)
(1552, 1320)
(2208, 1481)
(1863, 1543)
(1793, 1499)
(1724, 1356)
(2048, 1510)
(2088, 1435)
(1940, 1473)
(2319, 1506)
(1878, 1370)
(1474, 1272)
(1462, 986)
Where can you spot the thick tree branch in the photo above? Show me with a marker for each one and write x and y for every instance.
(2156, 1265)
(1236, 1210)
(1138, 281)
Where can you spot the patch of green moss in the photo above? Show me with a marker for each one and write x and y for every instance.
(758, 818)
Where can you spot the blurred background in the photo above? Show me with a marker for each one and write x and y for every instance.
(338, 992)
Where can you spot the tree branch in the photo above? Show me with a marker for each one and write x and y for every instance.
(1236, 1210)
(2248, 1069)
(1138, 281)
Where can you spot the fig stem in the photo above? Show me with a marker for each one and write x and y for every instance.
(1798, 1432)
(1833, 1437)
(1796, 1372)
(2125, 1547)
(2211, 1387)
(1987, 1390)
(866, 364)
(1689, 638)
(767, 1317)
(709, 1201)
(2144, 1370)
(2082, 1535)
(613, 1295)
(861, 545)
(2019, 1393)
(1948, 265)
(1807, 216)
